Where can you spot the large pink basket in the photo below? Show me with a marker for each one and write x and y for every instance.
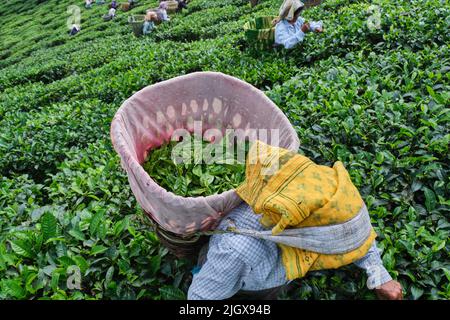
(148, 118)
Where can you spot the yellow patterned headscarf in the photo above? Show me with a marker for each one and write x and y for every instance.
(290, 190)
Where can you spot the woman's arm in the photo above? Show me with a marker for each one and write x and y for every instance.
(286, 38)
(378, 277)
(373, 265)
(220, 276)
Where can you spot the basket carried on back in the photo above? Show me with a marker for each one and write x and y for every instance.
(148, 119)
(260, 33)
(181, 246)
(125, 6)
(172, 6)
(137, 23)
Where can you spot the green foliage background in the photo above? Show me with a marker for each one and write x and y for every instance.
(375, 99)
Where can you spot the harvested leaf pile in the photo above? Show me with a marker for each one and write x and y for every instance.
(193, 177)
(372, 90)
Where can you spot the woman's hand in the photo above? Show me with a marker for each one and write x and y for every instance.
(305, 27)
(391, 290)
(319, 29)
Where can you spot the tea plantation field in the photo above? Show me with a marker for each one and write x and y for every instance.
(376, 98)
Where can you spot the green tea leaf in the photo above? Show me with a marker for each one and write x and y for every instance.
(430, 199)
(22, 248)
(13, 288)
(55, 280)
(98, 249)
(109, 276)
(438, 246)
(81, 263)
(416, 292)
(95, 222)
(49, 226)
(155, 263)
(171, 293)
(77, 234)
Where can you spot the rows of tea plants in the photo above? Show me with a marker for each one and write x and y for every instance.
(375, 98)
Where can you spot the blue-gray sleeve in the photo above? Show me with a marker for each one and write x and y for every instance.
(221, 275)
(288, 40)
(373, 265)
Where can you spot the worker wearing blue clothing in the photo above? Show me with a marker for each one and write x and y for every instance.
(290, 28)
